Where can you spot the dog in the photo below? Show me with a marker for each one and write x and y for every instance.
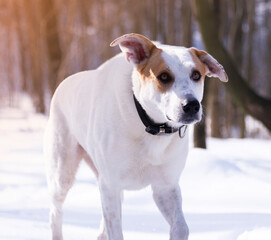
(128, 120)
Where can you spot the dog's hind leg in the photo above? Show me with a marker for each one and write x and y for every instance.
(63, 155)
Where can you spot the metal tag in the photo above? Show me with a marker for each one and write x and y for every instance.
(182, 131)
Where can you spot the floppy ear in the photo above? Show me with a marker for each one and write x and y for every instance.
(214, 68)
(136, 47)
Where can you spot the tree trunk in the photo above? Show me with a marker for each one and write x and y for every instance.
(186, 41)
(170, 37)
(9, 49)
(84, 8)
(68, 38)
(49, 27)
(200, 128)
(215, 107)
(268, 50)
(22, 43)
(34, 46)
(216, 104)
(236, 117)
(251, 24)
(253, 104)
(186, 22)
(136, 16)
(153, 19)
(161, 21)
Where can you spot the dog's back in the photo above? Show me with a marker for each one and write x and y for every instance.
(83, 96)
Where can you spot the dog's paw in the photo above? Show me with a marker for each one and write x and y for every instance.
(102, 236)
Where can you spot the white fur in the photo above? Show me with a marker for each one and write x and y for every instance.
(93, 117)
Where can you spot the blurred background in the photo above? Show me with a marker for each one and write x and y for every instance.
(44, 41)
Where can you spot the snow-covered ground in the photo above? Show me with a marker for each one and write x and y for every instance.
(226, 191)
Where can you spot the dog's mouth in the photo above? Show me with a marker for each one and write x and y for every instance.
(184, 120)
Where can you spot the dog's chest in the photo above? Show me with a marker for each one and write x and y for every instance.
(148, 161)
(138, 173)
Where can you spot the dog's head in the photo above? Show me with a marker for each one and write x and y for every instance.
(168, 80)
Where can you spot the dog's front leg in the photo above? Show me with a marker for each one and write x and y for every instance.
(169, 201)
(111, 204)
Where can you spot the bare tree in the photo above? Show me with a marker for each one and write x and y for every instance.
(170, 36)
(34, 46)
(245, 97)
(235, 118)
(49, 27)
(186, 41)
(267, 25)
(186, 23)
(20, 23)
(251, 24)
(200, 128)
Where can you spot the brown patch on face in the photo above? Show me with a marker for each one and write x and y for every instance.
(199, 65)
(155, 65)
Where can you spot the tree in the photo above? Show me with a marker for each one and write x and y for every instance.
(19, 18)
(186, 41)
(34, 45)
(215, 102)
(200, 128)
(49, 27)
(236, 117)
(186, 22)
(245, 97)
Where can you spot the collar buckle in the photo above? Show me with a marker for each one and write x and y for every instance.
(162, 129)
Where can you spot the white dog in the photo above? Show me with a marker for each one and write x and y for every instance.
(123, 119)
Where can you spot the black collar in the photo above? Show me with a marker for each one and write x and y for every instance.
(155, 128)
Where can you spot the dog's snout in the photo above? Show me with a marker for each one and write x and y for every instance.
(192, 106)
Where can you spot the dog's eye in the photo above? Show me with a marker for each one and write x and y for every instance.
(196, 75)
(164, 77)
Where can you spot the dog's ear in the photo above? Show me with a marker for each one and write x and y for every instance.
(214, 68)
(136, 47)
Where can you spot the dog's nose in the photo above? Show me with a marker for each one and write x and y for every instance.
(191, 107)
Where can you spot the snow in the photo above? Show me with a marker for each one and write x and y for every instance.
(226, 190)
